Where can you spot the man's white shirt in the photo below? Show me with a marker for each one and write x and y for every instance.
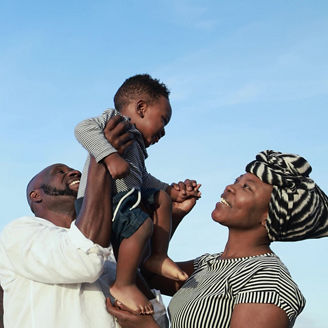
(49, 276)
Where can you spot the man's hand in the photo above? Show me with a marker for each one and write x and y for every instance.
(117, 133)
(117, 166)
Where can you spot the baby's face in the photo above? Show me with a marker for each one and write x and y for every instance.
(156, 117)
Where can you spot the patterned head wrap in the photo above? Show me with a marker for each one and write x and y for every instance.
(298, 208)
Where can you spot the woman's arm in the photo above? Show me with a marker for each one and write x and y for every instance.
(257, 315)
(129, 320)
(168, 286)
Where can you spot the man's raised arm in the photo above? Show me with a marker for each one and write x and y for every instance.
(95, 218)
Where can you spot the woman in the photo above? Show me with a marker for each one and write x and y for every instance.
(247, 285)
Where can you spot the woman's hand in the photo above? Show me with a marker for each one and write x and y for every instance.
(183, 190)
(129, 320)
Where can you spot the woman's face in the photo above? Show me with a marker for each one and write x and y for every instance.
(244, 204)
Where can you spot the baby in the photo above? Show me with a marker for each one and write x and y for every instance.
(141, 203)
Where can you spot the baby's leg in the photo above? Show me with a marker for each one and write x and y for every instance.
(124, 289)
(159, 262)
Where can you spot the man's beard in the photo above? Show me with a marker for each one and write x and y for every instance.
(58, 192)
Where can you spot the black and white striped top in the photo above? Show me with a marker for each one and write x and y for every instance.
(208, 297)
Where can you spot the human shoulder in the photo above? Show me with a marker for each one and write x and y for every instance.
(27, 221)
(112, 112)
(267, 270)
(100, 119)
(272, 263)
(24, 226)
(265, 279)
(266, 265)
(205, 259)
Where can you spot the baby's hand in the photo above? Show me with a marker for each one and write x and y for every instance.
(184, 190)
(117, 166)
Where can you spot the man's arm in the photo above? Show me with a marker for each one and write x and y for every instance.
(95, 218)
(43, 252)
(47, 253)
(98, 191)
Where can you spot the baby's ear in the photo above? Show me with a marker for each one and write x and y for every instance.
(141, 108)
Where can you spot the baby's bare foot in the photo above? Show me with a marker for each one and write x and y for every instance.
(164, 266)
(130, 298)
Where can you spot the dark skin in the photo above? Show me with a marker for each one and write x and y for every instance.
(267, 315)
(186, 192)
(94, 220)
(150, 118)
(124, 289)
(60, 209)
(116, 133)
(243, 210)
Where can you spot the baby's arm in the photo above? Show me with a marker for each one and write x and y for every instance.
(178, 192)
(184, 190)
(117, 166)
(90, 133)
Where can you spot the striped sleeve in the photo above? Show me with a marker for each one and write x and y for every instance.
(150, 181)
(201, 261)
(272, 285)
(90, 135)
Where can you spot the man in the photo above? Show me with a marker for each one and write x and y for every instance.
(50, 263)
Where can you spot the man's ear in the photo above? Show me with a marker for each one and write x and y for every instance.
(141, 108)
(35, 196)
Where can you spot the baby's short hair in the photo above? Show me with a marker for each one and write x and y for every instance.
(139, 85)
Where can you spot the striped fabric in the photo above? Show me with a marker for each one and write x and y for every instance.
(91, 136)
(208, 297)
(298, 208)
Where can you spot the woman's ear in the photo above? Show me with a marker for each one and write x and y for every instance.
(141, 108)
(263, 221)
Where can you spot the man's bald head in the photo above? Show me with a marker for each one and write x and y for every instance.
(55, 180)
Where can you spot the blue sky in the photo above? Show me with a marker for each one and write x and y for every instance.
(244, 76)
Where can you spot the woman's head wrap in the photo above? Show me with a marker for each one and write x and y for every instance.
(298, 208)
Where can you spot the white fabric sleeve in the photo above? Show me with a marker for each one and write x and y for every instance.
(90, 134)
(41, 251)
